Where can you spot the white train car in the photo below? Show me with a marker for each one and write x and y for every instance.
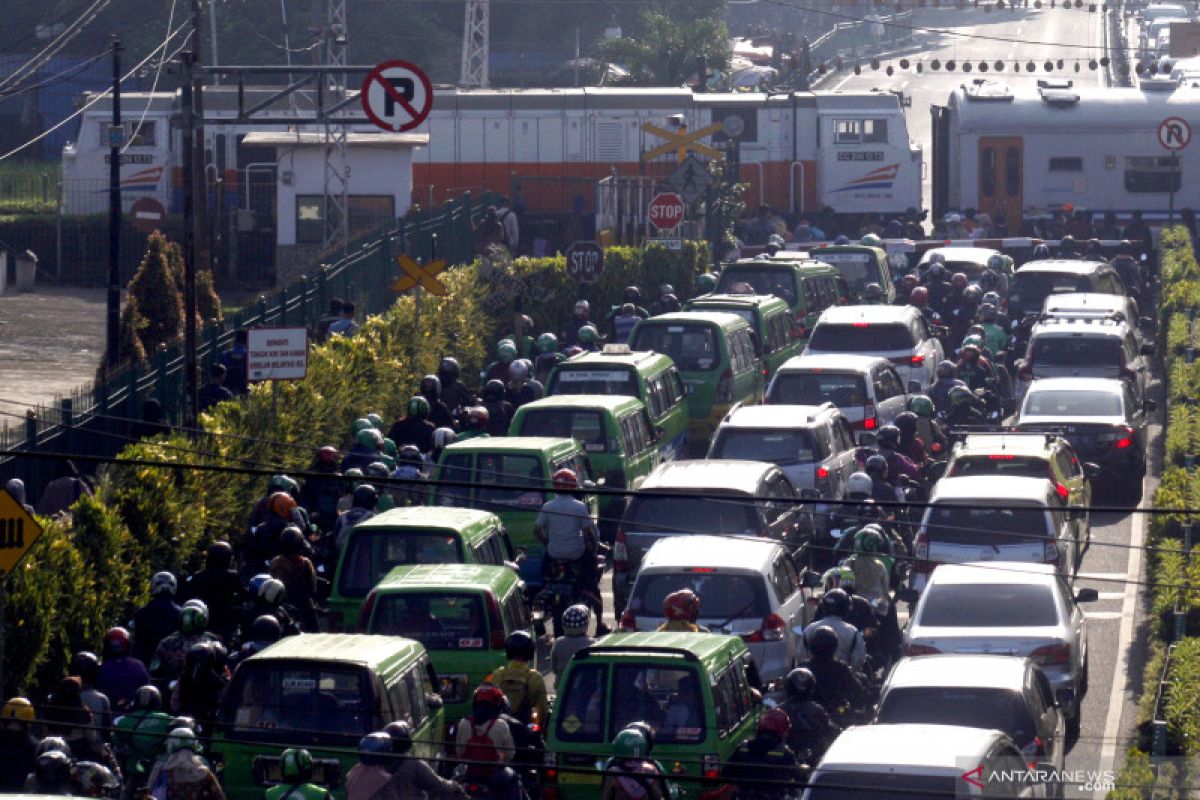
(1020, 151)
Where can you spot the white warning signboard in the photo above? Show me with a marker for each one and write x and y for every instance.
(277, 354)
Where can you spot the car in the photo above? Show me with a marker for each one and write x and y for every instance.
(1096, 305)
(1100, 417)
(970, 261)
(813, 445)
(868, 390)
(1037, 280)
(1030, 455)
(716, 496)
(860, 265)
(806, 285)
(1088, 348)
(989, 518)
(1025, 610)
(897, 333)
(921, 761)
(777, 335)
(1012, 695)
(748, 587)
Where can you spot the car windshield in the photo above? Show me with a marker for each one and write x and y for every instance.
(371, 554)
(309, 703)
(667, 698)
(692, 514)
(586, 380)
(999, 464)
(1071, 403)
(861, 337)
(987, 605)
(857, 269)
(796, 446)
(502, 480)
(846, 785)
(725, 596)
(780, 281)
(843, 389)
(1076, 351)
(972, 707)
(568, 423)
(1029, 290)
(438, 620)
(986, 524)
(692, 346)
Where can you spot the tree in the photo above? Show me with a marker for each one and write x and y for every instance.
(208, 302)
(157, 297)
(664, 49)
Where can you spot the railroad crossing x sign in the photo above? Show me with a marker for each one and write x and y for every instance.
(423, 274)
(682, 142)
(19, 531)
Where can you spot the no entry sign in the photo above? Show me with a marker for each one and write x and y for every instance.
(397, 96)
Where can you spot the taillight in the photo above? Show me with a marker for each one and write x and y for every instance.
(725, 387)
(773, 628)
(1124, 439)
(628, 623)
(822, 474)
(620, 552)
(921, 650)
(493, 609)
(1051, 655)
(364, 614)
(870, 422)
(921, 550)
(710, 764)
(917, 360)
(1063, 492)
(549, 773)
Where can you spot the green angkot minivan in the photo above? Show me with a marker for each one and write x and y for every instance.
(777, 336)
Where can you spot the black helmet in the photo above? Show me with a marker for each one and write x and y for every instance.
(877, 467)
(972, 295)
(1041, 251)
(366, 496)
(906, 421)
(823, 641)
(448, 370)
(431, 385)
(1067, 244)
(147, 698)
(800, 683)
(266, 629)
(401, 734)
(835, 602)
(53, 771)
(219, 555)
(1094, 247)
(86, 665)
(493, 391)
(1125, 247)
(410, 454)
(947, 369)
(519, 646)
(987, 313)
(292, 541)
(632, 294)
(873, 291)
(374, 748)
(888, 436)
(200, 655)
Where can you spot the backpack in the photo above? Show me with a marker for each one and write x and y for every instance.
(481, 748)
(637, 785)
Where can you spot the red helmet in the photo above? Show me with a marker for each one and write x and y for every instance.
(919, 297)
(477, 418)
(908, 283)
(116, 643)
(969, 353)
(566, 479)
(682, 605)
(327, 455)
(490, 694)
(776, 721)
(958, 280)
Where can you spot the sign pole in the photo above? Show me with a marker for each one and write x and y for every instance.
(116, 140)
(1174, 182)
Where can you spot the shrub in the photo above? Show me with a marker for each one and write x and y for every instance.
(157, 296)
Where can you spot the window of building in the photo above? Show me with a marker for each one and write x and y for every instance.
(1066, 164)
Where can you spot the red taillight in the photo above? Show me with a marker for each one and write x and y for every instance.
(620, 552)
(921, 548)
(870, 423)
(822, 473)
(1125, 439)
(917, 360)
(1001, 458)
(628, 622)
(364, 614)
(701, 569)
(772, 630)
(710, 766)
(861, 324)
(725, 387)
(921, 650)
(1063, 492)
(497, 624)
(1051, 655)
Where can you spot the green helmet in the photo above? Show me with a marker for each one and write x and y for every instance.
(866, 541)
(974, 339)
(588, 334)
(296, 765)
(376, 421)
(369, 437)
(192, 620)
(629, 743)
(418, 407)
(389, 447)
(359, 424)
(871, 240)
(354, 475)
(706, 283)
(921, 405)
(547, 343)
(506, 350)
(282, 483)
(182, 739)
(838, 577)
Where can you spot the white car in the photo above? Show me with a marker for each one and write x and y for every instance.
(994, 608)
(866, 389)
(898, 333)
(748, 587)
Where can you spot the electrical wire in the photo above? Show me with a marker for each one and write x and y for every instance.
(154, 85)
(56, 78)
(57, 44)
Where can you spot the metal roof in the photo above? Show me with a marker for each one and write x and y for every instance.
(954, 670)
(426, 517)
(315, 139)
(608, 402)
(339, 647)
(711, 474)
(716, 552)
(1068, 265)
(1025, 109)
(701, 645)
(776, 416)
(877, 314)
(986, 572)
(894, 748)
(513, 443)
(449, 577)
(1010, 488)
(837, 362)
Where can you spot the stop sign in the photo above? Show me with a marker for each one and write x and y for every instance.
(666, 211)
(585, 261)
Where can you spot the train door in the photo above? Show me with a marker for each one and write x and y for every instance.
(1001, 179)
(252, 239)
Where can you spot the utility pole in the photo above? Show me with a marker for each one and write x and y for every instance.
(191, 86)
(116, 140)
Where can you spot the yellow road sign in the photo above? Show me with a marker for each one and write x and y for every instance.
(422, 274)
(19, 531)
(682, 142)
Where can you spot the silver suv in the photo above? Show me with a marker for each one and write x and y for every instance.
(1084, 348)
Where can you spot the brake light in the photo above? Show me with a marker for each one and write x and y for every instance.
(497, 624)
(1124, 439)
(773, 628)
(725, 387)
(364, 614)
(710, 764)
(921, 650)
(550, 775)
(620, 552)
(917, 360)
(628, 623)
(860, 324)
(822, 473)
(1063, 492)
(1001, 458)
(1051, 655)
(869, 420)
(701, 569)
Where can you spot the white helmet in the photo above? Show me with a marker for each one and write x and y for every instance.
(576, 620)
(196, 602)
(859, 483)
(272, 591)
(163, 582)
(519, 370)
(443, 437)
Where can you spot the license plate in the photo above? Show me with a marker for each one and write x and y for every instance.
(579, 778)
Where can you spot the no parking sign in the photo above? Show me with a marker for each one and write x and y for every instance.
(397, 96)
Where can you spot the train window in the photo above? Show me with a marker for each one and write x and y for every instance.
(987, 171)
(1151, 174)
(1066, 164)
(874, 130)
(847, 132)
(1012, 172)
(860, 131)
(144, 135)
(310, 218)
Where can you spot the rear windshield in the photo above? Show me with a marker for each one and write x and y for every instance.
(692, 514)
(568, 423)
(741, 311)
(602, 380)
(843, 389)
(861, 338)
(692, 346)
(857, 269)
(837, 785)
(298, 703)
(502, 480)
(725, 596)
(994, 605)
(371, 555)
(1030, 289)
(999, 464)
(780, 282)
(1077, 351)
(774, 445)
(1071, 403)
(666, 697)
(968, 268)
(438, 620)
(972, 707)
(963, 524)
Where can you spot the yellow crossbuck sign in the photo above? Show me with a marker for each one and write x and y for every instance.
(423, 274)
(682, 142)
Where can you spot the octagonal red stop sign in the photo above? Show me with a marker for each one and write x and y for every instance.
(666, 211)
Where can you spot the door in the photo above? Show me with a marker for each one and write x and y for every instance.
(1002, 179)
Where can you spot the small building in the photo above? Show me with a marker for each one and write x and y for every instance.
(379, 188)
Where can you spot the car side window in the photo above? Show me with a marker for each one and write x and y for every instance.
(401, 700)
(891, 379)
(654, 396)
(824, 442)
(1041, 687)
(737, 352)
(781, 582)
(725, 700)
(847, 433)
(518, 615)
(883, 387)
(676, 386)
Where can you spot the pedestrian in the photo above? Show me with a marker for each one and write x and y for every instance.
(62, 492)
(328, 318)
(236, 360)
(507, 216)
(16, 489)
(214, 391)
(345, 324)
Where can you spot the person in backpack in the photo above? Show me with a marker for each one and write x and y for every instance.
(522, 685)
(485, 743)
(631, 774)
(812, 731)
(765, 768)
(140, 737)
(172, 651)
(296, 768)
(219, 586)
(294, 568)
(156, 620)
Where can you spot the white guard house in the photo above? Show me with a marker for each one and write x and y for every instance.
(379, 188)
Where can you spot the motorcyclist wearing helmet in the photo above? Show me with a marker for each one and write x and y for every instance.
(439, 414)
(52, 773)
(838, 690)
(506, 354)
(937, 283)
(140, 738)
(454, 393)
(947, 379)
(477, 423)
(928, 428)
(994, 334)
(682, 610)
(835, 606)
(623, 323)
(888, 441)
(267, 598)
(1128, 268)
(121, 673)
(183, 772)
(320, 495)
(498, 409)
(172, 651)
(17, 742)
(565, 526)
(904, 289)
(858, 613)
(262, 544)
(413, 776)
(518, 678)
(872, 294)
(547, 357)
(366, 500)
(668, 301)
(912, 446)
(575, 622)
(296, 769)
(367, 447)
(882, 490)
(385, 771)
(442, 438)
(155, 621)
(262, 633)
(580, 316)
(589, 339)
(963, 316)
(299, 577)
(201, 685)
(631, 295)
(951, 302)
(631, 772)
(965, 408)
(1067, 247)
(973, 368)
(871, 577)
(521, 387)
(812, 730)
(765, 767)
(85, 666)
(485, 743)
(706, 283)
(219, 586)
(414, 427)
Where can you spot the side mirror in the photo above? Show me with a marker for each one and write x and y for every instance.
(810, 494)
(1092, 471)
(1149, 405)
(810, 579)
(866, 439)
(936, 470)
(1148, 349)
(1065, 698)
(1087, 596)
(914, 387)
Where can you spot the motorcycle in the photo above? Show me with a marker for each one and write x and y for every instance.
(561, 589)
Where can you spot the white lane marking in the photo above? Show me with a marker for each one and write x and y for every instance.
(845, 80)
(1102, 576)
(1112, 595)
(1116, 697)
(1106, 614)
